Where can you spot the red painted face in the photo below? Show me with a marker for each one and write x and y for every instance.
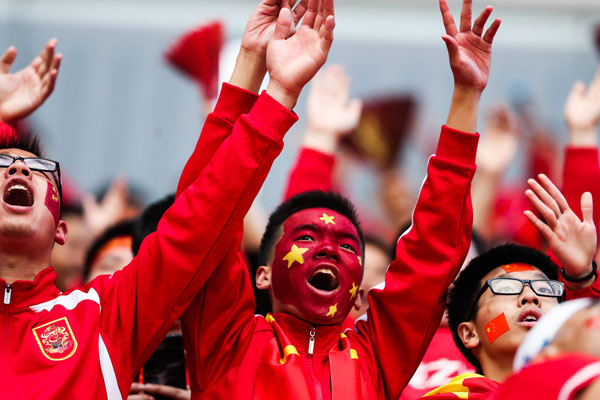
(317, 266)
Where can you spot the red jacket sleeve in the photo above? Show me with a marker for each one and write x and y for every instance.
(405, 312)
(140, 302)
(313, 171)
(232, 103)
(582, 174)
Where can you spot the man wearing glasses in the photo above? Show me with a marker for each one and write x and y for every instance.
(499, 297)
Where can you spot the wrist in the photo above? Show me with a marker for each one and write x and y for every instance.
(464, 109)
(581, 281)
(285, 97)
(249, 72)
(583, 137)
(320, 140)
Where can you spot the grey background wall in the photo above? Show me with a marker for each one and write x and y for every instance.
(119, 109)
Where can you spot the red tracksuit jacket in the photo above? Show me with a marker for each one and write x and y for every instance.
(89, 342)
(232, 354)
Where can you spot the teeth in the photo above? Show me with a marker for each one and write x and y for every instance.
(325, 271)
(17, 186)
(530, 318)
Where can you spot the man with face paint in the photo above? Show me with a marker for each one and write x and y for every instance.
(89, 342)
(502, 294)
(312, 254)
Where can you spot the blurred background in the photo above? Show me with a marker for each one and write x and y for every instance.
(119, 108)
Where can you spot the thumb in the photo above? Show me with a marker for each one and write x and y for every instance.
(284, 24)
(451, 45)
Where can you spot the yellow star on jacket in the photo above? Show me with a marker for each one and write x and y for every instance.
(328, 219)
(295, 255)
(332, 310)
(353, 291)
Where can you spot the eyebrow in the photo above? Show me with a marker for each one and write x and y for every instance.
(315, 228)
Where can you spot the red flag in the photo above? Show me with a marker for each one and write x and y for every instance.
(496, 327)
(517, 267)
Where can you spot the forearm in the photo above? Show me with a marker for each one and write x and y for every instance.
(249, 71)
(464, 109)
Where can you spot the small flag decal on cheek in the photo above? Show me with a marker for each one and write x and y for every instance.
(496, 328)
(53, 202)
(517, 267)
(593, 323)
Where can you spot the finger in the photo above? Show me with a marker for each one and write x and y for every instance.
(7, 59)
(449, 23)
(326, 9)
(481, 20)
(311, 13)
(577, 91)
(491, 32)
(545, 211)
(46, 56)
(544, 196)
(299, 11)
(539, 224)
(140, 397)
(136, 387)
(326, 33)
(168, 391)
(595, 85)
(452, 46)
(587, 207)
(283, 25)
(465, 16)
(554, 192)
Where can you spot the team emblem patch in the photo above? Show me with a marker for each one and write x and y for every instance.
(56, 339)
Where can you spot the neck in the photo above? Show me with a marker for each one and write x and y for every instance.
(496, 368)
(21, 265)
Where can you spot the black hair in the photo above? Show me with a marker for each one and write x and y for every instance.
(123, 228)
(468, 284)
(23, 140)
(147, 222)
(303, 201)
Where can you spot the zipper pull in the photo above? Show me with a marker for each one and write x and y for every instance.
(311, 341)
(7, 291)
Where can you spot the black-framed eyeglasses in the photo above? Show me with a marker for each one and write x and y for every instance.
(36, 164)
(514, 286)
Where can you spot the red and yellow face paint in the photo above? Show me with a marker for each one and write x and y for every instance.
(314, 240)
(517, 267)
(496, 328)
(53, 202)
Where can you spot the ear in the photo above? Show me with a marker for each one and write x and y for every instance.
(60, 235)
(263, 277)
(468, 334)
(358, 301)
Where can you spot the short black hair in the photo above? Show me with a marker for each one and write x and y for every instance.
(122, 228)
(147, 222)
(306, 200)
(23, 140)
(468, 284)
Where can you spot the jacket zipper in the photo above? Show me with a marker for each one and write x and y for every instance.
(311, 348)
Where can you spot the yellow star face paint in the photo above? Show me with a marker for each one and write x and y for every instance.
(328, 219)
(295, 255)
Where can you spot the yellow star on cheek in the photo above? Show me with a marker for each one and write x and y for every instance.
(488, 330)
(353, 291)
(295, 255)
(327, 219)
(332, 310)
(359, 261)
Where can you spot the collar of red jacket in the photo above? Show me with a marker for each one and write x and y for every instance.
(27, 293)
(298, 333)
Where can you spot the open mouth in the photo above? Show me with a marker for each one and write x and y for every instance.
(324, 279)
(530, 316)
(18, 195)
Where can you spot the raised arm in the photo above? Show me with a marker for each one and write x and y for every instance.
(331, 114)
(22, 92)
(571, 240)
(405, 312)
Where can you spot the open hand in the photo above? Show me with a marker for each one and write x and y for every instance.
(23, 92)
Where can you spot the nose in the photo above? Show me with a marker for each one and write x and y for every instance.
(528, 296)
(18, 168)
(328, 250)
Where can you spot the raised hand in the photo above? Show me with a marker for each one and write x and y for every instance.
(498, 145)
(582, 112)
(470, 53)
(23, 92)
(251, 64)
(331, 112)
(572, 241)
(292, 60)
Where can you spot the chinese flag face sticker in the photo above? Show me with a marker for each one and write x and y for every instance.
(517, 267)
(496, 328)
